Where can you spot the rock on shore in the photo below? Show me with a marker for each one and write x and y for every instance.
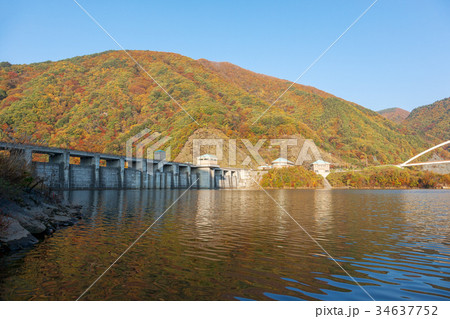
(32, 216)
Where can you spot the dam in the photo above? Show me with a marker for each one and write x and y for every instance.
(107, 171)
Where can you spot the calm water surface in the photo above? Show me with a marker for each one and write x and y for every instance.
(239, 245)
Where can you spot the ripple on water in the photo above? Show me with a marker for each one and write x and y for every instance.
(239, 245)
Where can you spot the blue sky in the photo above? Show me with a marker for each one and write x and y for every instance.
(398, 55)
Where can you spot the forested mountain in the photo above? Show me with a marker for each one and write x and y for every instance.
(395, 114)
(433, 119)
(96, 102)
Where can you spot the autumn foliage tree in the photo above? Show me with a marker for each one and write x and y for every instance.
(291, 177)
(386, 177)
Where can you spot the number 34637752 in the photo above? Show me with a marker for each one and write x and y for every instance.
(407, 310)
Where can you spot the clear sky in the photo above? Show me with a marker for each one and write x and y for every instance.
(397, 55)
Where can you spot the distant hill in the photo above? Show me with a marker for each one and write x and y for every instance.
(96, 102)
(394, 114)
(433, 119)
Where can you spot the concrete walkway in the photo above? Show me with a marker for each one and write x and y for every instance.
(326, 183)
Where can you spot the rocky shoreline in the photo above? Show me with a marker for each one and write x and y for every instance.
(25, 221)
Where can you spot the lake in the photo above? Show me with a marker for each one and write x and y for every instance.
(241, 245)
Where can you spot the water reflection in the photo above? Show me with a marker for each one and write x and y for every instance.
(228, 245)
(323, 208)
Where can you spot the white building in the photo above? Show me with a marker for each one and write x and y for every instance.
(160, 155)
(321, 167)
(207, 160)
(281, 162)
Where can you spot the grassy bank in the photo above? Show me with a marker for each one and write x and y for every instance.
(389, 177)
(291, 177)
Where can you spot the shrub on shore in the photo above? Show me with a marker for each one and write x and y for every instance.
(16, 176)
(291, 177)
(388, 177)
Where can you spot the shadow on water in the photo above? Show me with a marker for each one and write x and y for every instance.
(240, 245)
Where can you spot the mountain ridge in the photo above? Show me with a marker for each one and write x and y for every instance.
(433, 119)
(96, 102)
(395, 114)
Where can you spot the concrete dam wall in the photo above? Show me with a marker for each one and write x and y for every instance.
(126, 173)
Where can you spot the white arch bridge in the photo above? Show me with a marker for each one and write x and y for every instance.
(408, 162)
